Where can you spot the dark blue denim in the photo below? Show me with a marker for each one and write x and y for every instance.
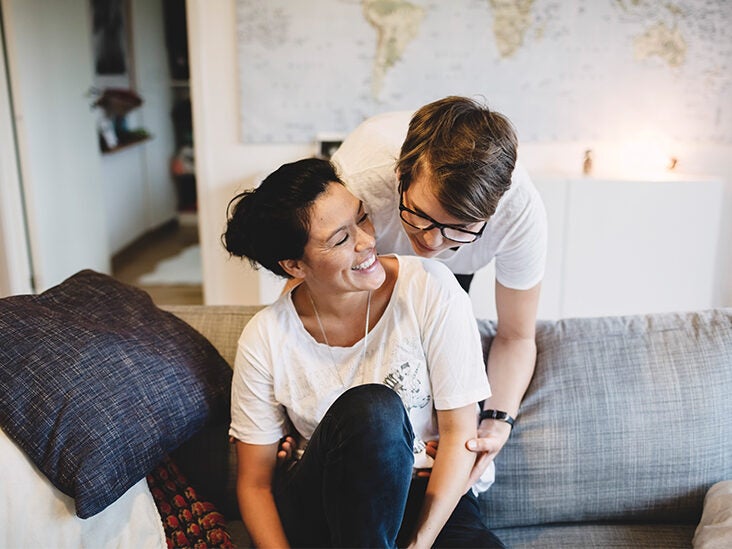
(350, 487)
(464, 528)
(353, 486)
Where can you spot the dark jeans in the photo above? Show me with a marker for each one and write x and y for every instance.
(464, 528)
(351, 486)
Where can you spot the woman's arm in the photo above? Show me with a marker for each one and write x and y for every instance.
(449, 473)
(255, 471)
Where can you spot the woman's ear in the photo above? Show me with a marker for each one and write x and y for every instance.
(292, 267)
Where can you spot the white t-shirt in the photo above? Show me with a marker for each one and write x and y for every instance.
(516, 234)
(426, 347)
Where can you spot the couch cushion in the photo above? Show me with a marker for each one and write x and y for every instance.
(98, 384)
(626, 418)
(584, 535)
(220, 324)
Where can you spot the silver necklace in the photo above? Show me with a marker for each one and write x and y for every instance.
(325, 336)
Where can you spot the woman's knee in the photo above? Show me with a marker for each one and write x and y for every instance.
(366, 397)
(376, 409)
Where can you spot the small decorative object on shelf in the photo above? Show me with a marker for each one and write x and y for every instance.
(118, 101)
(587, 162)
(114, 105)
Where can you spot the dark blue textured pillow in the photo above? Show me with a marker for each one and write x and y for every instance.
(97, 384)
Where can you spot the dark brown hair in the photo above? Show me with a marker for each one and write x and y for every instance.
(272, 222)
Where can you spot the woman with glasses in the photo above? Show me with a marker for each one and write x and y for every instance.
(366, 359)
(443, 182)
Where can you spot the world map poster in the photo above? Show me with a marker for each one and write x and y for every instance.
(561, 70)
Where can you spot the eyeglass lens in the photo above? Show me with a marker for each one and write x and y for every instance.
(450, 233)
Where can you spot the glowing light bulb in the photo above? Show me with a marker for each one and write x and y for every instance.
(645, 156)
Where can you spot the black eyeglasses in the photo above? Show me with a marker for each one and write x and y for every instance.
(426, 223)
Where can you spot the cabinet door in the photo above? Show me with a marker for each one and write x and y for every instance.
(553, 191)
(640, 247)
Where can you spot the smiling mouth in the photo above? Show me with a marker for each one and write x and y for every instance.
(366, 264)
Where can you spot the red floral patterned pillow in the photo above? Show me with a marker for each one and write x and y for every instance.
(187, 521)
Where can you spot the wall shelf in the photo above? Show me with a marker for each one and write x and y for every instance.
(127, 145)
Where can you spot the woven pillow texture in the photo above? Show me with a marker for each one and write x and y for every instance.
(97, 385)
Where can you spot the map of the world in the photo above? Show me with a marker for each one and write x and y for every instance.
(560, 69)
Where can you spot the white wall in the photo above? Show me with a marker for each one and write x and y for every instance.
(125, 188)
(153, 83)
(14, 259)
(224, 164)
(139, 190)
(81, 207)
(50, 67)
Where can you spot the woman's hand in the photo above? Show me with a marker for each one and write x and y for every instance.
(492, 436)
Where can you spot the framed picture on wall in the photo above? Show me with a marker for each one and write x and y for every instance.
(110, 36)
(327, 143)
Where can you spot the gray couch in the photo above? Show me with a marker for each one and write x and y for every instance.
(625, 427)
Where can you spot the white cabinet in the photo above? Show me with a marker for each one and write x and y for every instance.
(624, 247)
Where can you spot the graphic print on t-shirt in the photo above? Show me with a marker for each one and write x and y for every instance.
(404, 380)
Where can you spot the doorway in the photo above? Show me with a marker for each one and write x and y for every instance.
(83, 205)
(165, 260)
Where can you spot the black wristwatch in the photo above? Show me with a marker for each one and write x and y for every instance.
(496, 414)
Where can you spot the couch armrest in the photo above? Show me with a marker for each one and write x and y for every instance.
(715, 528)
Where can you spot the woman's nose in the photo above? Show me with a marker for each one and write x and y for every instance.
(365, 238)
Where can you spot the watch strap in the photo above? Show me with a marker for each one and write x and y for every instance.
(496, 414)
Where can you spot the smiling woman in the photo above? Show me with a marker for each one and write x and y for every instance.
(350, 381)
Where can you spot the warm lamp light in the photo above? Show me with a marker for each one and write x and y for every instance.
(644, 157)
